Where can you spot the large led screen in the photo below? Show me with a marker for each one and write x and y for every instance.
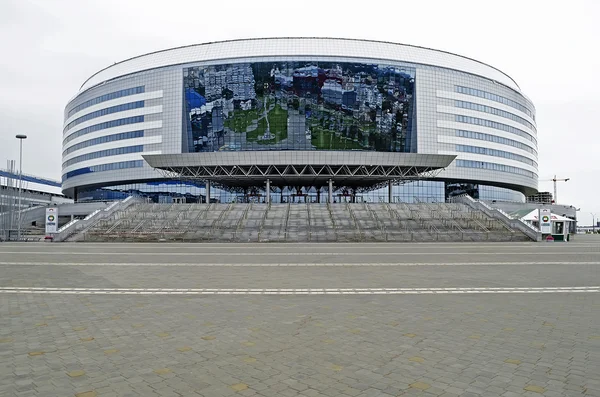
(299, 106)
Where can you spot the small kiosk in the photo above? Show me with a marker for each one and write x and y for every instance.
(560, 224)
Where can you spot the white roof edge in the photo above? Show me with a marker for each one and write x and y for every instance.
(299, 46)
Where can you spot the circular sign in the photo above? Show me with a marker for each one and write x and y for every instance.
(545, 218)
(51, 218)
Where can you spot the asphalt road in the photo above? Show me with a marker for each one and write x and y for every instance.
(514, 319)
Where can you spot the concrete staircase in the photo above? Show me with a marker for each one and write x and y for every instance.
(343, 222)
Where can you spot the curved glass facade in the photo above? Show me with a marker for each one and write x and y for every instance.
(300, 106)
(248, 96)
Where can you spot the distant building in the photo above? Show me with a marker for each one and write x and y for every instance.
(541, 198)
(35, 191)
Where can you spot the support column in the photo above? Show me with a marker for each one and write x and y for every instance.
(390, 191)
(268, 192)
(318, 195)
(207, 184)
(330, 192)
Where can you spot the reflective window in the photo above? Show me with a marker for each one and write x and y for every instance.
(104, 153)
(497, 112)
(495, 125)
(104, 98)
(454, 188)
(165, 190)
(104, 112)
(493, 152)
(300, 106)
(104, 139)
(500, 194)
(104, 167)
(495, 98)
(495, 167)
(101, 126)
(496, 139)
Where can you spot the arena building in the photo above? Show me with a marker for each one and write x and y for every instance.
(307, 119)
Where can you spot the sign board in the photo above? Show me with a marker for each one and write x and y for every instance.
(545, 221)
(51, 220)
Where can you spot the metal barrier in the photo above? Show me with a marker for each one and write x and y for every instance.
(296, 223)
(79, 226)
(502, 216)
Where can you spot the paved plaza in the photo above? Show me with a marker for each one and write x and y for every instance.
(502, 319)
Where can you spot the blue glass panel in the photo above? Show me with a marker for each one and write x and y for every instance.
(104, 98)
(101, 126)
(104, 112)
(495, 167)
(104, 153)
(497, 112)
(496, 139)
(493, 152)
(495, 125)
(104, 167)
(495, 98)
(104, 139)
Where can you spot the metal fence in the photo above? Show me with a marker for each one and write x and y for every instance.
(9, 196)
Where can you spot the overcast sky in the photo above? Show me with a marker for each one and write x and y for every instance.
(49, 47)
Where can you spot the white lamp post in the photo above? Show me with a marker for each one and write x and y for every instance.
(20, 137)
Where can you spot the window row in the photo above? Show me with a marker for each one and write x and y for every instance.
(104, 167)
(495, 125)
(495, 153)
(106, 97)
(410, 192)
(104, 153)
(104, 139)
(495, 167)
(495, 98)
(104, 112)
(102, 126)
(495, 139)
(497, 112)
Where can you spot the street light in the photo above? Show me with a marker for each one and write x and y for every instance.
(20, 137)
(593, 222)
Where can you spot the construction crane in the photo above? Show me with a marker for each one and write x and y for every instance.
(555, 180)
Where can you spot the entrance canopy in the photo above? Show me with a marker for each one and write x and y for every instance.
(358, 169)
(533, 217)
